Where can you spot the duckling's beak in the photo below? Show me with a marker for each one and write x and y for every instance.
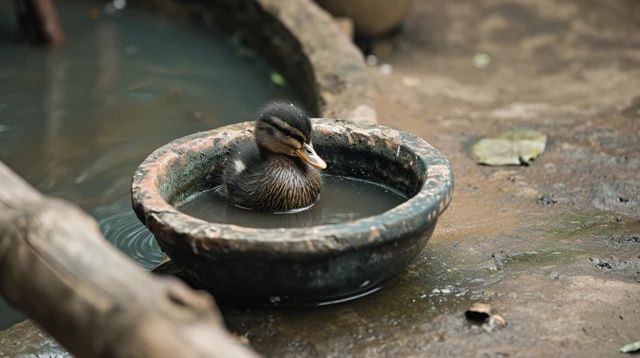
(309, 155)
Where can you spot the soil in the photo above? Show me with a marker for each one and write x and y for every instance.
(553, 247)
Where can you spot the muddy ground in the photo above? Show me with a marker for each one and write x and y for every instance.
(554, 247)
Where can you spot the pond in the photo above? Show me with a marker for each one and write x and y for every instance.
(75, 121)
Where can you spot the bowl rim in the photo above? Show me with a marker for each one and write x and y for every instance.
(172, 227)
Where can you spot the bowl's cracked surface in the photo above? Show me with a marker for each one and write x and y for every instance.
(298, 265)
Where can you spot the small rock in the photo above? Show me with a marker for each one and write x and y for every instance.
(555, 276)
(478, 312)
(372, 60)
(601, 263)
(386, 69)
(604, 264)
(546, 200)
(481, 61)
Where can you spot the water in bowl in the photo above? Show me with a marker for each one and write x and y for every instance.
(75, 121)
(343, 199)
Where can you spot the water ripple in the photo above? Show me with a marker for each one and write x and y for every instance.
(121, 227)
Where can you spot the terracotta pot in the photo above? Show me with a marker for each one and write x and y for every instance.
(297, 266)
(371, 17)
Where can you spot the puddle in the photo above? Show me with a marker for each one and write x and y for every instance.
(446, 278)
(76, 121)
(431, 286)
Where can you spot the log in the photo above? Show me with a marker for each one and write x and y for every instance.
(57, 268)
(40, 21)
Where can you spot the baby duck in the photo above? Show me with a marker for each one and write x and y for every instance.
(277, 172)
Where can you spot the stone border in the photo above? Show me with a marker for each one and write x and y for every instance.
(298, 38)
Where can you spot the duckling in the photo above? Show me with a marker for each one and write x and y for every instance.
(278, 171)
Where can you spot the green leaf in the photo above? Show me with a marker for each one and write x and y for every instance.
(277, 79)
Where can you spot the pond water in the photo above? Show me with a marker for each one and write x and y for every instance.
(343, 199)
(76, 121)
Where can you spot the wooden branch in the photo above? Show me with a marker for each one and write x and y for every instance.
(40, 21)
(56, 267)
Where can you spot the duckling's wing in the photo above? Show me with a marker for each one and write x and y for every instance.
(240, 173)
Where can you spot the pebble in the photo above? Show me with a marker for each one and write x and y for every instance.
(386, 69)
(481, 60)
(372, 60)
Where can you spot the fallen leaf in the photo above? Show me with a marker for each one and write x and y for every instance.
(631, 347)
(517, 147)
(277, 79)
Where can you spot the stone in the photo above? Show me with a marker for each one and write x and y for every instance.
(26, 339)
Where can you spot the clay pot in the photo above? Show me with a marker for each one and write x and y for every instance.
(298, 266)
(371, 17)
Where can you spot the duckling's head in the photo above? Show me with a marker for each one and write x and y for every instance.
(285, 128)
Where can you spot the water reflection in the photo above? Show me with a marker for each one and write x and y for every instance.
(126, 232)
(342, 200)
(75, 121)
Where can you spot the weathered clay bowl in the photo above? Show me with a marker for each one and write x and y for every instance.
(309, 265)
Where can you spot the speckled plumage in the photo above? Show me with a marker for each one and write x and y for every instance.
(261, 179)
